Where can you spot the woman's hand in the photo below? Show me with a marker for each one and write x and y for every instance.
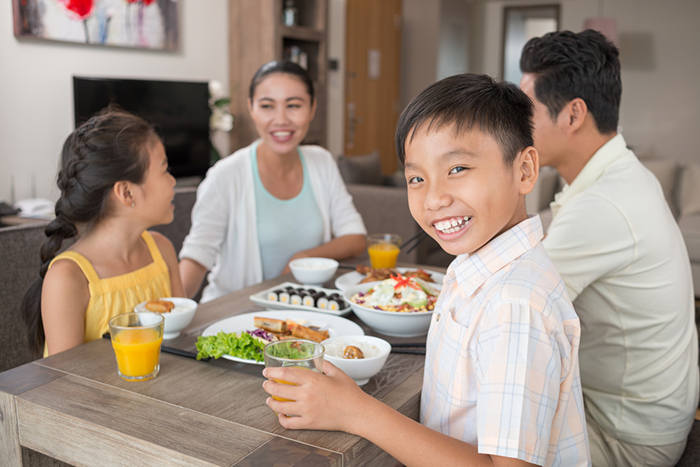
(330, 401)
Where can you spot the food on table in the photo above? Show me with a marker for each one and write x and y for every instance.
(270, 324)
(302, 332)
(248, 345)
(237, 344)
(308, 297)
(352, 352)
(160, 306)
(400, 294)
(336, 348)
(377, 275)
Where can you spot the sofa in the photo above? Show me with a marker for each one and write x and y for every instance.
(680, 184)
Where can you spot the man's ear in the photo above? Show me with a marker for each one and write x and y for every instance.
(574, 113)
(528, 167)
(123, 193)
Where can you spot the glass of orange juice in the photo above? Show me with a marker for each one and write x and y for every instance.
(299, 353)
(383, 249)
(136, 339)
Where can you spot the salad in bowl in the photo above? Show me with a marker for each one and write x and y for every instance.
(402, 294)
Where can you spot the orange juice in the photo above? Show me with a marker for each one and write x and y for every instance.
(138, 352)
(281, 381)
(383, 255)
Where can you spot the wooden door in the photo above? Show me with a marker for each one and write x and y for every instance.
(373, 51)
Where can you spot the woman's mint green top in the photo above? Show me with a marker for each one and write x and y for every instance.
(285, 226)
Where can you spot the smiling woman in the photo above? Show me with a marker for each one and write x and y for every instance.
(273, 201)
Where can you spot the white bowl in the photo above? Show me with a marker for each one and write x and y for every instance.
(389, 323)
(361, 370)
(313, 271)
(178, 318)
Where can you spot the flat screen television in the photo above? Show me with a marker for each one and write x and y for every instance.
(178, 110)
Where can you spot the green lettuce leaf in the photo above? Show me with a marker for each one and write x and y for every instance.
(241, 345)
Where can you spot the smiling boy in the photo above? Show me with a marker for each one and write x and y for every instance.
(501, 383)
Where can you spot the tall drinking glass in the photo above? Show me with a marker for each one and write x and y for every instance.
(136, 339)
(383, 249)
(298, 353)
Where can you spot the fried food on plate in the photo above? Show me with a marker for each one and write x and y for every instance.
(378, 275)
(270, 324)
(160, 306)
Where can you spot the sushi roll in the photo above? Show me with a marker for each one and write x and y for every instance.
(322, 303)
(308, 300)
(283, 297)
(274, 296)
(311, 291)
(333, 305)
(295, 299)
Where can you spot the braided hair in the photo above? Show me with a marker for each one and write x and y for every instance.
(108, 148)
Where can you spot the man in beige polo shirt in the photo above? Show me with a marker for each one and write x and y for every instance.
(621, 255)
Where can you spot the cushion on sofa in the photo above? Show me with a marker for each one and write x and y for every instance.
(689, 199)
(666, 172)
(690, 228)
(364, 170)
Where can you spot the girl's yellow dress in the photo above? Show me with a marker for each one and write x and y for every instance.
(119, 294)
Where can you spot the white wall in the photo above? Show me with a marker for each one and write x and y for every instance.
(660, 57)
(37, 97)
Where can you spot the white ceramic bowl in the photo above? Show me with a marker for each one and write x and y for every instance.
(361, 370)
(389, 323)
(178, 318)
(313, 271)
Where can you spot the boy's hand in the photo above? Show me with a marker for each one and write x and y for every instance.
(330, 401)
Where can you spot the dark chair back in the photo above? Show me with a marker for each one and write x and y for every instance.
(691, 455)
(19, 268)
(178, 229)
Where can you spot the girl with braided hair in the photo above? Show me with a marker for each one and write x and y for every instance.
(114, 184)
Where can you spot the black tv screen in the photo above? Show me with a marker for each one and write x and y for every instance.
(179, 111)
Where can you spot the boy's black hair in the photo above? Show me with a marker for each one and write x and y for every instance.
(469, 101)
(570, 65)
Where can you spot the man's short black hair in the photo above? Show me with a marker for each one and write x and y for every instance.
(568, 65)
(469, 101)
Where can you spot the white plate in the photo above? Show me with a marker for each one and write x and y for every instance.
(260, 298)
(353, 278)
(335, 325)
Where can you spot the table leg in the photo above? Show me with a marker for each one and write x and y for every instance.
(10, 449)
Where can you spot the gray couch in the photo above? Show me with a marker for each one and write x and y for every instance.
(680, 184)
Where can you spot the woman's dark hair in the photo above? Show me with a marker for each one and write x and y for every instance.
(469, 101)
(108, 148)
(281, 66)
(570, 65)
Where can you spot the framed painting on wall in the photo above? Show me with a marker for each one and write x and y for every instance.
(144, 24)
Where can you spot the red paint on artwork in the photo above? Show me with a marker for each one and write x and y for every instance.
(78, 9)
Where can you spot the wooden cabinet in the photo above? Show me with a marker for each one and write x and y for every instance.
(257, 35)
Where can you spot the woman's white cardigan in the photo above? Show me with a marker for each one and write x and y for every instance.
(224, 236)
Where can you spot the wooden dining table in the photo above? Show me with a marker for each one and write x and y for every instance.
(73, 407)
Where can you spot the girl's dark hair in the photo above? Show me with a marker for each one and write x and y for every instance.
(568, 65)
(106, 149)
(468, 101)
(281, 66)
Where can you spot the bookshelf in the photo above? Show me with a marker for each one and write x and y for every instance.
(258, 34)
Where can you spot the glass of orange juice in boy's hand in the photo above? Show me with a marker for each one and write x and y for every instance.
(383, 249)
(136, 339)
(298, 353)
